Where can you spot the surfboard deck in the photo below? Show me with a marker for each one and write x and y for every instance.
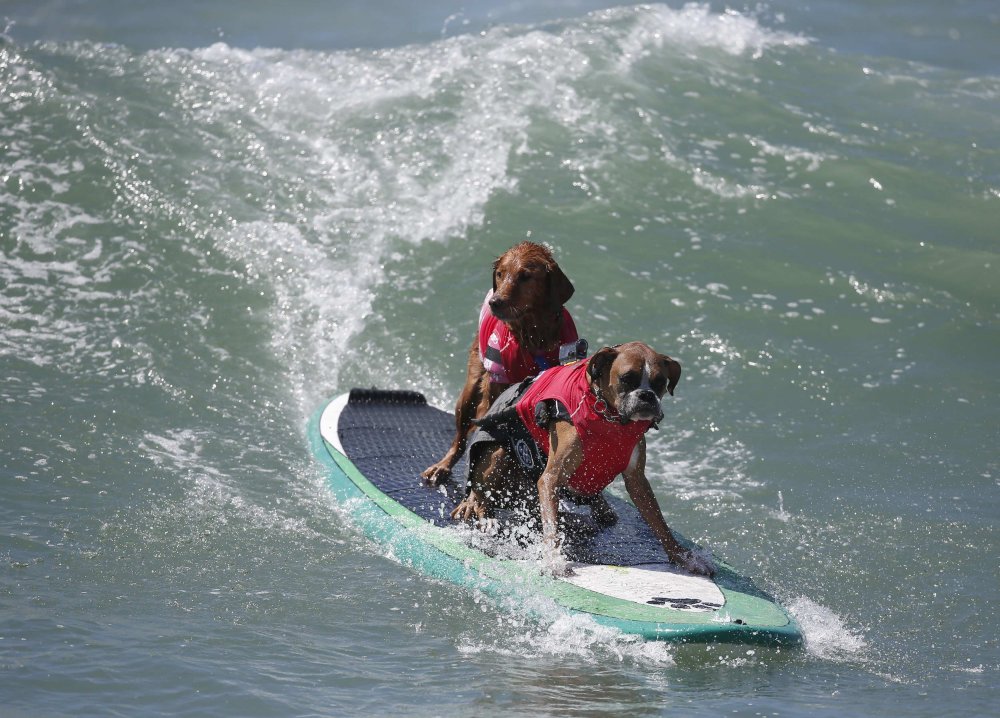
(375, 443)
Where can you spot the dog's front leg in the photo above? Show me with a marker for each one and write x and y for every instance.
(644, 499)
(473, 401)
(565, 456)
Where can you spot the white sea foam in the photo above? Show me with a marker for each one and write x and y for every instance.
(694, 26)
(724, 188)
(826, 634)
(553, 632)
(791, 155)
(530, 625)
(385, 173)
(319, 303)
(413, 181)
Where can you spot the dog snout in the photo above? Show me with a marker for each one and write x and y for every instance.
(503, 308)
(641, 404)
(651, 403)
(647, 396)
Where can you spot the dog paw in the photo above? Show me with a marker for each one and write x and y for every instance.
(698, 562)
(488, 525)
(463, 512)
(436, 475)
(471, 508)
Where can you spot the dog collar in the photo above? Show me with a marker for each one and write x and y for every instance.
(602, 409)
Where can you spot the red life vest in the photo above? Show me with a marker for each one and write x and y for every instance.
(607, 445)
(505, 360)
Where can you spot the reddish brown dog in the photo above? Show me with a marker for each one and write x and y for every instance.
(529, 291)
(588, 424)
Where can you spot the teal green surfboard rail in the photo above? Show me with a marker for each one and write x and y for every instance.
(748, 617)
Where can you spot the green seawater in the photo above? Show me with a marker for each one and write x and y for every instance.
(213, 219)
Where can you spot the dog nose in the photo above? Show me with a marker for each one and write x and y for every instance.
(648, 396)
(497, 303)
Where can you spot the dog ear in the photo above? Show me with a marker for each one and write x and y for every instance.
(673, 368)
(601, 362)
(560, 288)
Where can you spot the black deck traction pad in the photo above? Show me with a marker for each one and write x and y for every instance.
(391, 436)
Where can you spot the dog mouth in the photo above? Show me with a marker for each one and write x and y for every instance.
(645, 415)
(641, 408)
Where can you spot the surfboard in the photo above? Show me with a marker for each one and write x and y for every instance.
(374, 443)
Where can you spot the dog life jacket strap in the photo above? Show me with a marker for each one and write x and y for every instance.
(502, 424)
(548, 411)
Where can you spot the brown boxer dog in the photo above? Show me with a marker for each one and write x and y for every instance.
(623, 384)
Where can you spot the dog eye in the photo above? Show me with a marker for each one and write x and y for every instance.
(629, 379)
(524, 276)
(659, 385)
